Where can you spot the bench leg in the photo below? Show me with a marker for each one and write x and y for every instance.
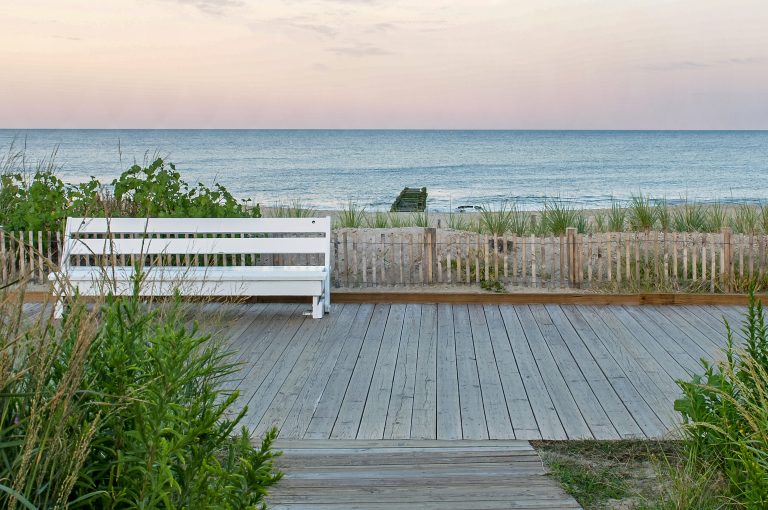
(327, 295)
(317, 308)
(58, 309)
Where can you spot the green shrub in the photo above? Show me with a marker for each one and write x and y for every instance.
(378, 220)
(459, 221)
(642, 213)
(726, 413)
(716, 217)
(122, 408)
(159, 191)
(497, 221)
(690, 217)
(558, 216)
(296, 208)
(663, 214)
(421, 219)
(745, 220)
(351, 216)
(617, 217)
(43, 201)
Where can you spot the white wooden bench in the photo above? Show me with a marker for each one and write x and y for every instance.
(115, 242)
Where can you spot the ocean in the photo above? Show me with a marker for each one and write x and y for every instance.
(327, 168)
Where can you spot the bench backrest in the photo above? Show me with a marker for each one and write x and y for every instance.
(228, 236)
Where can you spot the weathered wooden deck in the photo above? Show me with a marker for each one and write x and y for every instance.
(467, 371)
(428, 475)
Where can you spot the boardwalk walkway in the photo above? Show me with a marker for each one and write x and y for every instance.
(467, 371)
(429, 475)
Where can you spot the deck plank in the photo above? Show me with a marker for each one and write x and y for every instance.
(415, 474)
(494, 401)
(448, 409)
(373, 420)
(352, 405)
(424, 419)
(400, 409)
(458, 372)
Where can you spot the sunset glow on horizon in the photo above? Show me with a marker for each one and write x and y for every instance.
(457, 64)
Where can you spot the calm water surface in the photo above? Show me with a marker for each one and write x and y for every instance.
(328, 168)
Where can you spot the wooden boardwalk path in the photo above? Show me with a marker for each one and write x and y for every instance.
(429, 475)
(422, 371)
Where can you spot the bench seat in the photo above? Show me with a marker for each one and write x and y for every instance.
(106, 239)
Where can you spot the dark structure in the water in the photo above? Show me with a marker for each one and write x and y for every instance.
(410, 200)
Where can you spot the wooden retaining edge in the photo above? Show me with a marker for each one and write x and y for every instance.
(481, 298)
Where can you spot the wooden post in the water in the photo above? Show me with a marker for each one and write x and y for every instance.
(570, 237)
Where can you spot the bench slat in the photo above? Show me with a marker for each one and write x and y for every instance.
(192, 246)
(199, 225)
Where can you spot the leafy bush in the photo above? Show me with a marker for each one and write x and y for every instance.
(159, 191)
(121, 408)
(726, 413)
(41, 201)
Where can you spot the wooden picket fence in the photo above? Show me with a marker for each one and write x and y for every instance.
(415, 257)
(619, 261)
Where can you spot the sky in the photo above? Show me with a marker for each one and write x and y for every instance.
(400, 64)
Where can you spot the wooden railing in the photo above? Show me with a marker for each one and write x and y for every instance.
(416, 257)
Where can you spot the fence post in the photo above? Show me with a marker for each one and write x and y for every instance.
(727, 258)
(570, 242)
(431, 235)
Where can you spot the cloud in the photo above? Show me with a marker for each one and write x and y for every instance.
(360, 50)
(381, 27)
(307, 23)
(67, 38)
(215, 7)
(704, 64)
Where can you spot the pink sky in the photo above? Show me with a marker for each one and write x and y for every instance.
(487, 64)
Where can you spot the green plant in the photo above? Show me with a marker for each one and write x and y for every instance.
(725, 411)
(642, 214)
(600, 222)
(421, 219)
(588, 485)
(351, 216)
(397, 220)
(121, 408)
(295, 208)
(497, 220)
(716, 217)
(663, 214)
(745, 219)
(493, 285)
(158, 190)
(764, 218)
(459, 221)
(378, 220)
(690, 217)
(617, 217)
(558, 216)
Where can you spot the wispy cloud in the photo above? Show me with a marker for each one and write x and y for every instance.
(215, 7)
(67, 38)
(381, 27)
(360, 50)
(306, 23)
(704, 64)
